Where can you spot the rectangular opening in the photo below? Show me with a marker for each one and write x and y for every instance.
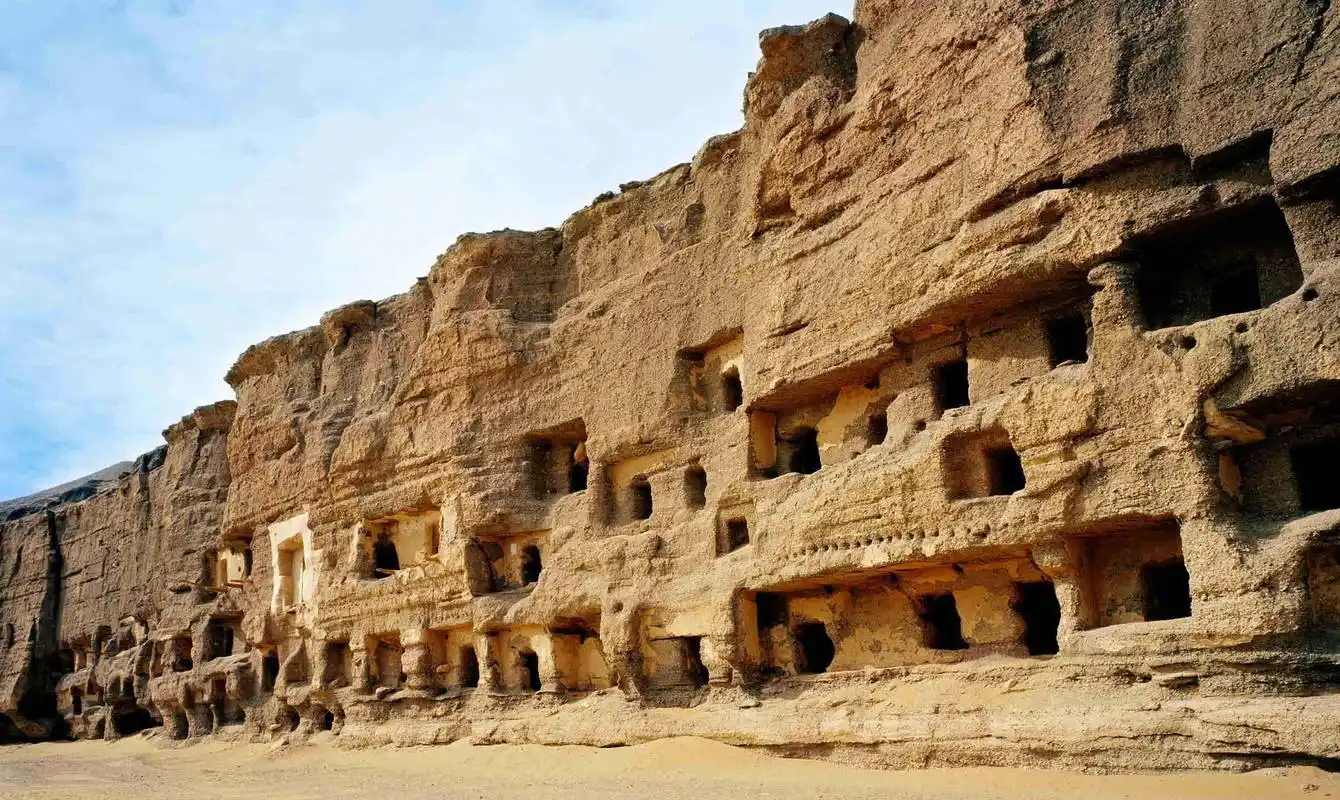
(771, 609)
(402, 540)
(1316, 470)
(1006, 471)
(941, 625)
(708, 377)
(678, 662)
(338, 667)
(234, 563)
(1037, 605)
(386, 659)
(180, 654)
(799, 452)
(1068, 339)
(951, 385)
(1293, 469)
(269, 670)
(1167, 590)
(557, 459)
(469, 668)
(695, 487)
(732, 391)
(385, 555)
(291, 572)
(814, 648)
(505, 562)
(528, 671)
(222, 633)
(981, 464)
(1133, 571)
(877, 429)
(733, 535)
(1228, 262)
(639, 499)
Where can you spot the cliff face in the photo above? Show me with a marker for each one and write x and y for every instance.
(87, 584)
(986, 380)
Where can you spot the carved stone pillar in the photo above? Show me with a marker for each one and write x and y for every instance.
(416, 661)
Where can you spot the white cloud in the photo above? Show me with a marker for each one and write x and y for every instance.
(184, 184)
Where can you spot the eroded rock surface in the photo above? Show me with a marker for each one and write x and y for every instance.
(978, 402)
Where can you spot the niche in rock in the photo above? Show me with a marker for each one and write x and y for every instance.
(222, 634)
(528, 668)
(1068, 339)
(1036, 603)
(815, 648)
(469, 668)
(1133, 572)
(639, 499)
(951, 385)
(1167, 590)
(269, 670)
(338, 666)
(942, 626)
(1227, 262)
(531, 564)
(180, 654)
(1292, 470)
(982, 464)
(557, 459)
(732, 535)
(695, 487)
(799, 452)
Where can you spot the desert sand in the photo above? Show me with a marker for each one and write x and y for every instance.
(147, 766)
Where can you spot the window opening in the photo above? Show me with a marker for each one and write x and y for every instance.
(1068, 338)
(951, 385)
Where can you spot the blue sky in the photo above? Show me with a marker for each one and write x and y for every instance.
(179, 179)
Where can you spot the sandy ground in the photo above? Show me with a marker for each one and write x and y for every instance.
(691, 769)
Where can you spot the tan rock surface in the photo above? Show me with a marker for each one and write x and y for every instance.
(978, 402)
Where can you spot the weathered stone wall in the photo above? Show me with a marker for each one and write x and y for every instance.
(89, 586)
(977, 402)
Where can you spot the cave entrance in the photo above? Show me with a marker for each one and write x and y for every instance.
(1167, 591)
(529, 664)
(816, 648)
(1041, 612)
(385, 558)
(943, 627)
(469, 668)
(531, 565)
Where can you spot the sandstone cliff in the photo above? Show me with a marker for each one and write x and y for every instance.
(977, 402)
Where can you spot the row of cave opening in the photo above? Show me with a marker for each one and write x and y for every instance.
(796, 641)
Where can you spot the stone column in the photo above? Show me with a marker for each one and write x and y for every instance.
(486, 650)
(360, 656)
(1117, 314)
(415, 660)
(550, 679)
(1064, 564)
